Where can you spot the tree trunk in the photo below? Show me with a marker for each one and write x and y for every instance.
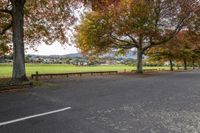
(193, 63)
(18, 74)
(171, 65)
(185, 63)
(198, 64)
(139, 61)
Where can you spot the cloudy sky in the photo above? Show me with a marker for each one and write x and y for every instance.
(54, 49)
(57, 48)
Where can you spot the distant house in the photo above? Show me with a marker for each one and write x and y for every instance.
(79, 62)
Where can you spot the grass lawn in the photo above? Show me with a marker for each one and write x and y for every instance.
(6, 69)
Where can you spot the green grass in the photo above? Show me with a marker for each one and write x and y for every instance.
(6, 69)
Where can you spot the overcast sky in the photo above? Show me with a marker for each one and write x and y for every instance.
(57, 48)
(54, 49)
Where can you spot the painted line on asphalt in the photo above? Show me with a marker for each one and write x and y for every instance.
(34, 116)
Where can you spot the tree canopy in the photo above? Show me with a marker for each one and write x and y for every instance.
(132, 23)
(44, 20)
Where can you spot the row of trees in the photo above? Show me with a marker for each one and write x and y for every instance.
(136, 24)
(182, 48)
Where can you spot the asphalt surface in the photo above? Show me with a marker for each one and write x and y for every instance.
(160, 103)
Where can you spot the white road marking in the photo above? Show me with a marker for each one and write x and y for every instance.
(34, 116)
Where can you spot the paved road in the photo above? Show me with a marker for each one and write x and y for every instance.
(165, 103)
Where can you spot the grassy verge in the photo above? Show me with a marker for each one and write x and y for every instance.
(6, 69)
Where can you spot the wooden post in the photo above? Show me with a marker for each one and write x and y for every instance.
(36, 78)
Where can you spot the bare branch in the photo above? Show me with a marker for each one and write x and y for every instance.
(120, 40)
(126, 43)
(134, 41)
(173, 34)
(117, 46)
